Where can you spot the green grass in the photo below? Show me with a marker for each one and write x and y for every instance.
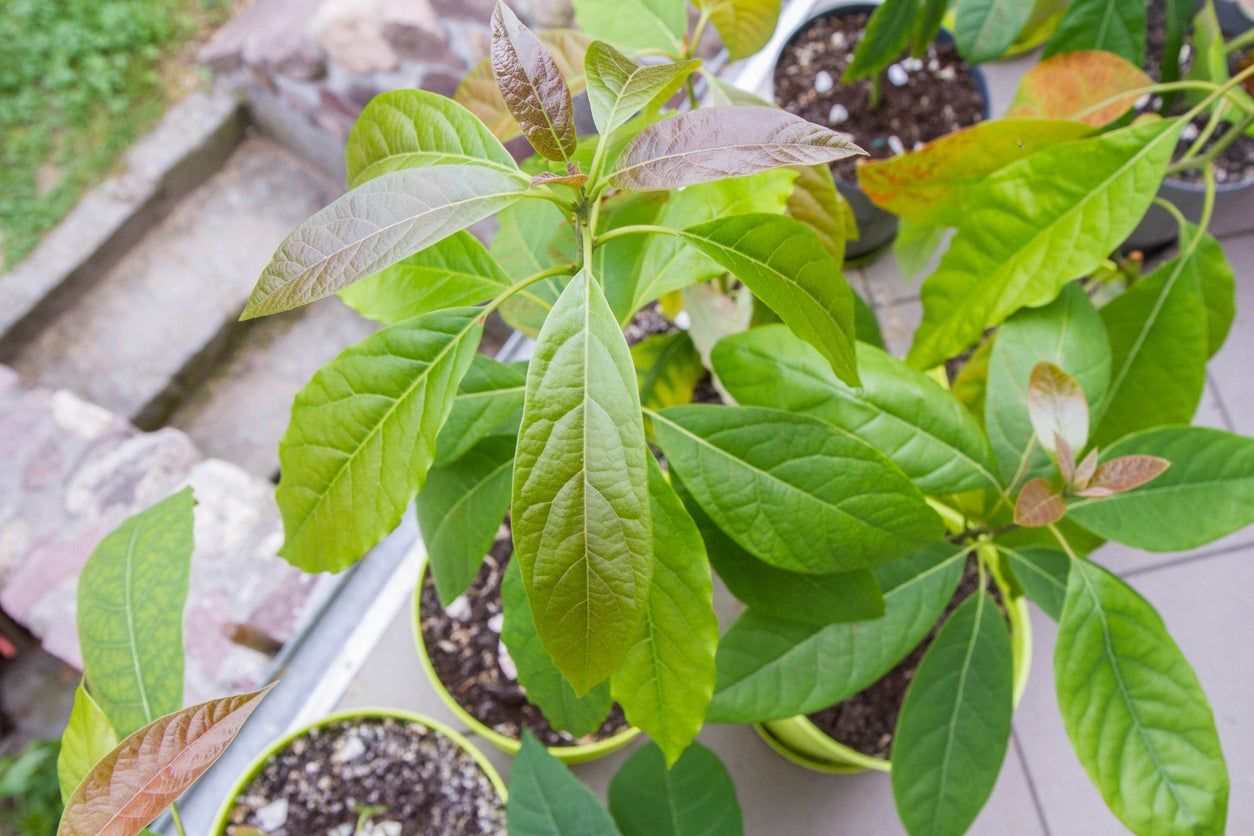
(30, 796)
(79, 81)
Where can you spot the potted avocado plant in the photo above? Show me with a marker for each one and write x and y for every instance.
(366, 771)
(854, 486)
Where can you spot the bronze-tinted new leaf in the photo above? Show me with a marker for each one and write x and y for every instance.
(548, 178)
(532, 86)
(1039, 504)
(151, 768)
(719, 142)
(1066, 458)
(1123, 474)
(1085, 470)
(1057, 407)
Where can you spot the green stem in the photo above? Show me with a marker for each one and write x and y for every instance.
(1062, 541)
(1240, 42)
(877, 92)
(177, 819)
(1212, 125)
(1164, 87)
(560, 270)
(1234, 133)
(637, 229)
(545, 194)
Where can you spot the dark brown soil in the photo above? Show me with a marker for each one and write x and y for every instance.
(647, 322)
(865, 721)
(923, 98)
(464, 645)
(401, 777)
(1236, 163)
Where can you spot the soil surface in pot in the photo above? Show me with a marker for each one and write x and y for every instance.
(1236, 163)
(865, 721)
(923, 98)
(465, 648)
(403, 777)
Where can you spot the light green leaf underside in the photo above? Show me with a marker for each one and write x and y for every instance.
(634, 24)
(1134, 710)
(1068, 333)
(788, 269)
(903, 413)
(87, 739)
(461, 508)
(693, 797)
(545, 799)
(402, 129)
(770, 668)
(363, 434)
(488, 402)
(582, 527)
(546, 687)
(954, 725)
(131, 595)
(793, 490)
(1018, 244)
(667, 678)
(1207, 492)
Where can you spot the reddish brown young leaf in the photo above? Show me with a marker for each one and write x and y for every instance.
(1124, 474)
(1066, 458)
(718, 142)
(1039, 504)
(151, 768)
(532, 86)
(1084, 472)
(1065, 86)
(548, 178)
(1057, 407)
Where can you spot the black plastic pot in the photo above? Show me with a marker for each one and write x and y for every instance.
(876, 227)
(1232, 20)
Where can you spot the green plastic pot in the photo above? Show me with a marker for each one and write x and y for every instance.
(805, 744)
(581, 753)
(224, 812)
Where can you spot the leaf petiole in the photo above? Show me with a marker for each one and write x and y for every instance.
(637, 229)
(560, 270)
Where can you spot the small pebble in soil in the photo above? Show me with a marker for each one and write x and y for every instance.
(823, 82)
(897, 75)
(838, 114)
(412, 779)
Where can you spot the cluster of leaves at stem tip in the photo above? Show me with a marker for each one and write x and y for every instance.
(839, 492)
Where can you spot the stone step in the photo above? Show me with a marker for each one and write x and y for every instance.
(146, 332)
(241, 409)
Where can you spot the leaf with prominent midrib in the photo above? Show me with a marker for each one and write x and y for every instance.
(1117, 26)
(582, 526)
(814, 599)
(532, 86)
(453, 272)
(787, 268)
(929, 186)
(131, 595)
(546, 688)
(744, 26)
(618, 86)
(489, 401)
(151, 768)
(954, 725)
(1158, 342)
(1019, 244)
(363, 434)
(460, 509)
(667, 678)
(984, 29)
(635, 24)
(1043, 575)
(694, 796)
(411, 128)
(718, 142)
(1207, 492)
(670, 262)
(376, 225)
(901, 412)
(88, 739)
(1134, 710)
(769, 668)
(1068, 333)
(1069, 85)
(794, 491)
(545, 799)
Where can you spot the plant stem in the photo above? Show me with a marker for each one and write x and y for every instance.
(638, 229)
(560, 270)
(877, 93)
(1062, 541)
(1240, 42)
(1164, 87)
(1212, 125)
(543, 193)
(1234, 133)
(177, 819)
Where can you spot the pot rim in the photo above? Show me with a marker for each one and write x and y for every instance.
(577, 753)
(374, 713)
(845, 759)
(824, 8)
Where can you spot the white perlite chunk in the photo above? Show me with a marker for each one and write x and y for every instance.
(823, 81)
